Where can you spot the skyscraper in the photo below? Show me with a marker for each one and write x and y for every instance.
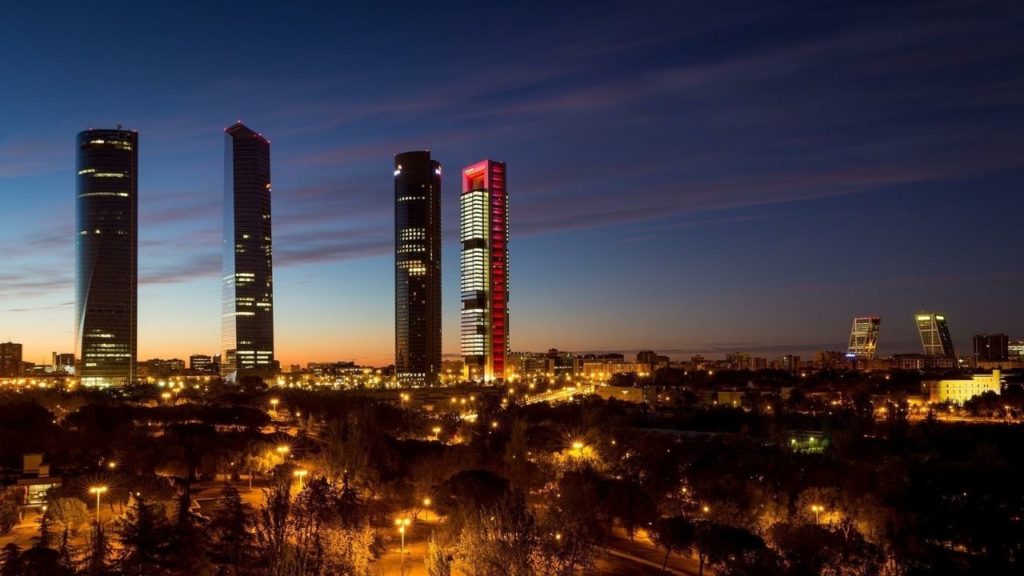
(106, 242)
(417, 268)
(484, 278)
(934, 333)
(247, 304)
(864, 337)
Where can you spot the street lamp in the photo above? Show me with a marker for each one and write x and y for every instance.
(283, 451)
(437, 432)
(817, 510)
(578, 446)
(98, 491)
(300, 474)
(273, 404)
(402, 524)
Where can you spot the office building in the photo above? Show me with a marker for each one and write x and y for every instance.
(483, 229)
(10, 360)
(106, 269)
(200, 364)
(1016, 349)
(63, 363)
(991, 347)
(417, 269)
(864, 337)
(247, 305)
(934, 332)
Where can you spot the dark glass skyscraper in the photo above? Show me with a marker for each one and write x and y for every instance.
(247, 305)
(106, 241)
(417, 268)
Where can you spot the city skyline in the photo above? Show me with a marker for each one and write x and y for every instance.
(676, 194)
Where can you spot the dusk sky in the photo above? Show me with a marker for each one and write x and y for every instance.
(686, 177)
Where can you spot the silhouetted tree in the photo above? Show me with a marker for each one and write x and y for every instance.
(674, 534)
(145, 540)
(96, 556)
(229, 528)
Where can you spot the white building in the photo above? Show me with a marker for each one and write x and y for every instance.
(960, 391)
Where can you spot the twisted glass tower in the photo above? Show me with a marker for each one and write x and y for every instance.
(106, 251)
(417, 268)
(247, 304)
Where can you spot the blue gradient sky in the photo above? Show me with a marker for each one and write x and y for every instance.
(688, 177)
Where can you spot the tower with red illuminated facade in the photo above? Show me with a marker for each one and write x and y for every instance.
(484, 263)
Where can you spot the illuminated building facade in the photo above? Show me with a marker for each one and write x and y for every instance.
(417, 268)
(864, 337)
(960, 391)
(201, 364)
(106, 247)
(1016, 349)
(934, 332)
(484, 278)
(247, 304)
(63, 363)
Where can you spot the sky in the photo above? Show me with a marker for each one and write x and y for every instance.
(688, 177)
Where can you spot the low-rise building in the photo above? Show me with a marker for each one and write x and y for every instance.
(960, 391)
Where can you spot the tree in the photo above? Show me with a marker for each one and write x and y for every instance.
(810, 550)
(187, 548)
(472, 490)
(229, 528)
(67, 513)
(727, 547)
(437, 561)
(567, 545)
(10, 500)
(10, 562)
(271, 529)
(65, 555)
(96, 557)
(499, 541)
(674, 534)
(145, 537)
(42, 561)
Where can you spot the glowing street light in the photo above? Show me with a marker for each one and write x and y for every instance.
(273, 404)
(98, 491)
(578, 447)
(283, 450)
(300, 474)
(437, 432)
(817, 510)
(402, 524)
